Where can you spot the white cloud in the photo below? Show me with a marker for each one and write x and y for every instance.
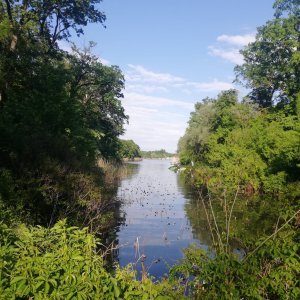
(238, 40)
(214, 85)
(138, 73)
(159, 105)
(136, 99)
(155, 129)
(141, 80)
(155, 122)
(231, 55)
(145, 88)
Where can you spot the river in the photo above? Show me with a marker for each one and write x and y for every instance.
(155, 221)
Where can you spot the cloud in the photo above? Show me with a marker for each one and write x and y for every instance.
(136, 99)
(155, 122)
(145, 88)
(139, 79)
(238, 40)
(159, 105)
(231, 55)
(214, 85)
(154, 129)
(138, 73)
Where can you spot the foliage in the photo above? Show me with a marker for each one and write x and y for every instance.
(251, 147)
(49, 20)
(63, 263)
(129, 149)
(235, 144)
(60, 112)
(271, 273)
(156, 154)
(271, 67)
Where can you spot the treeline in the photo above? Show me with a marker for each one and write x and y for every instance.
(130, 150)
(157, 154)
(61, 116)
(255, 142)
(234, 143)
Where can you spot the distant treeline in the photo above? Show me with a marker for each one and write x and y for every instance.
(156, 154)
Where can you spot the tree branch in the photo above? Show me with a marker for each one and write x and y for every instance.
(273, 234)
(8, 9)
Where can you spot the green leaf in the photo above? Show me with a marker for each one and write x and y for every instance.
(17, 279)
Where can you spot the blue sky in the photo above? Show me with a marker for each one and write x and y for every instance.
(173, 54)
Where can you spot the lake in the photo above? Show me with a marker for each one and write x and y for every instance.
(155, 223)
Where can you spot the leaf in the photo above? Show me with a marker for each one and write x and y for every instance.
(78, 257)
(70, 295)
(117, 291)
(17, 278)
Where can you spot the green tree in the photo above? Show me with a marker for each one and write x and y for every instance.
(59, 112)
(49, 20)
(129, 149)
(272, 63)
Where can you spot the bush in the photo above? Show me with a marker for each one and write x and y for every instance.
(63, 263)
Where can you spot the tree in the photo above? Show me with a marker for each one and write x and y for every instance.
(98, 91)
(129, 149)
(59, 112)
(50, 20)
(272, 63)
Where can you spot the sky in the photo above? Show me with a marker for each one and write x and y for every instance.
(173, 54)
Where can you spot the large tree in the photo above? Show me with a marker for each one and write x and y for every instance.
(59, 111)
(272, 62)
(51, 20)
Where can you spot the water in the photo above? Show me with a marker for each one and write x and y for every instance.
(156, 225)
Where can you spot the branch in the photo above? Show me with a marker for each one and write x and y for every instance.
(54, 37)
(215, 221)
(207, 217)
(8, 9)
(273, 234)
(230, 214)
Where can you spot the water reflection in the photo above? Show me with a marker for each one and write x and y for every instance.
(156, 224)
(162, 215)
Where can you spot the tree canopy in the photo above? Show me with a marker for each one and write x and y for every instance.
(60, 111)
(129, 149)
(272, 62)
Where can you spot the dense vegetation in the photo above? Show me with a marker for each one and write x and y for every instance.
(60, 120)
(239, 144)
(129, 150)
(157, 154)
(61, 263)
(60, 113)
(243, 159)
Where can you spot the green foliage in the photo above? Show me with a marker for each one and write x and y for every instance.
(272, 272)
(235, 144)
(162, 153)
(129, 149)
(271, 67)
(63, 263)
(59, 112)
(50, 22)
